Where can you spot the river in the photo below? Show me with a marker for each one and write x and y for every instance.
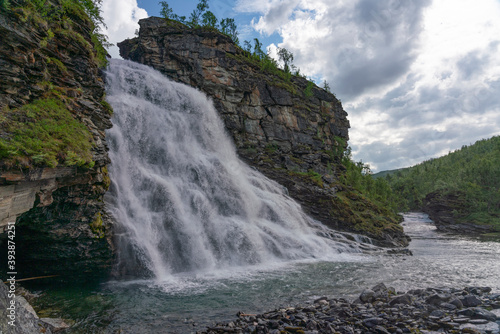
(190, 302)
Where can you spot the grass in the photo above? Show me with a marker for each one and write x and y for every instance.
(311, 175)
(44, 133)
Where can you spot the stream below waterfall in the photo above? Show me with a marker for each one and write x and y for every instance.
(190, 302)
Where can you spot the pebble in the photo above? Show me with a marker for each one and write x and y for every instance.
(380, 310)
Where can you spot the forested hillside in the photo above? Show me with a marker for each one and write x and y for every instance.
(462, 187)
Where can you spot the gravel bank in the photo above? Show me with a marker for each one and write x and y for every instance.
(381, 310)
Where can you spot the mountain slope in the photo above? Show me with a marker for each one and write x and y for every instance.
(460, 191)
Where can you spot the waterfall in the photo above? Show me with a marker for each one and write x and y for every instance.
(182, 198)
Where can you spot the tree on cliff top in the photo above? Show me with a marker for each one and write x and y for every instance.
(201, 16)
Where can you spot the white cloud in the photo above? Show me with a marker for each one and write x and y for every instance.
(121, 17)
(418, 78)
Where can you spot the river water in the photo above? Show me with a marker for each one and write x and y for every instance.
(190, 302)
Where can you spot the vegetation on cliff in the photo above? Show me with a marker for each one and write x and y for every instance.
(466, 182)
(45, 129)
(45, 132)
(201, 17)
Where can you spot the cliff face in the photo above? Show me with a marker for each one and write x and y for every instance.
(286, 127)
(53, 154)
(446, 211)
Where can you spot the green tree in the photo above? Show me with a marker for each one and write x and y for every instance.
(257, 49)
(228, 27)
(326, 86)
(208, 19)
(286, 57)
(166, 12)
(247, 46)
(194, 19)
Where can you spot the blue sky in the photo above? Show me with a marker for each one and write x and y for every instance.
(418, 78)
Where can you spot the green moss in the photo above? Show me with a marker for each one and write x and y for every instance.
(107, 107)
(363, 216)
(271, 148)
(97, 226)
(44, 133)
(62, 68)
(311, 175)
(106, 179)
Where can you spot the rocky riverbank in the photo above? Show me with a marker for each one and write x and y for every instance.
(381, 310)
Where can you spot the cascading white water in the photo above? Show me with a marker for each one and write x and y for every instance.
(182, 198)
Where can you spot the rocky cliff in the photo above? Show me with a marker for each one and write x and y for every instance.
(283, 125)
(53, 154)
(447, 210)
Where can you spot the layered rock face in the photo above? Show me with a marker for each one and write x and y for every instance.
(284, 125)
(61, 225)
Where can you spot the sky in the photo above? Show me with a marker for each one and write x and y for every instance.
(418, 78)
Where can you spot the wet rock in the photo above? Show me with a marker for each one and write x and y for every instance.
(478, 313)
(403, 299)
(437, 299)
(17, 316)
(470, 301)
(55, 324)
(367, 296)
(372, 322)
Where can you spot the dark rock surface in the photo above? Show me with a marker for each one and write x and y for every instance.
(378, 310)
(294, 138)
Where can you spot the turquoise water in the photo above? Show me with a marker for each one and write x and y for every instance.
(190, 302)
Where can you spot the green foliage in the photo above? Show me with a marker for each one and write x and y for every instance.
(62, 68)
(358, 177)
(166, 12)
(326, 86)
(194, 19)
(473, 171)
(44, 133)
(271, 148)
(97, 226)
(229, 28)
(201, 16)
(247, 46)
(286, 57)
(308, 91)
(4, 5)
(257, 49)
(69, 10)
(208, 19)
(311, 175)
